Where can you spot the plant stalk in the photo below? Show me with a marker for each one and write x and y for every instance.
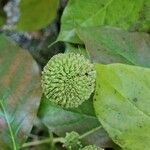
(58, 140)
(45, 141)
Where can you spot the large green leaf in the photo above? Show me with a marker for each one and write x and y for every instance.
(112, 45)
(83, 119)
(36, 14)
(20, 94)
(122, 102)
(127, 14)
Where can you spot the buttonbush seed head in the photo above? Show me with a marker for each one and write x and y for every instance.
(91, 147)
(68, 79)
(72, 141)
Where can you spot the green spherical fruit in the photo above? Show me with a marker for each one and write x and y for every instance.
(68, 79)
(72, 141)
(91, 147)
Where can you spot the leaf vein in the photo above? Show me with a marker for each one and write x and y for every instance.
(9, 126)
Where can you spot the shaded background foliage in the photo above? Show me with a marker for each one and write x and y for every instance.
(36, 43)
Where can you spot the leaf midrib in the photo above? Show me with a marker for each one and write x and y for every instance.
(9, 126)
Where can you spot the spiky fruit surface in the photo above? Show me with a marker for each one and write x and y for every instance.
(91, 147)
(68, 79)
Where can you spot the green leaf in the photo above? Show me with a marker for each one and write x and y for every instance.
(131, 15)
(81, 120)
(77, 50)
(36, 14)
(112, 45)
(20, 94)
(122, 104)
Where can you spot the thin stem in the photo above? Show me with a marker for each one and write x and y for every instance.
(90, 132)
(39, 142)
(59, 140)
(51, 137)
(45, 141)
